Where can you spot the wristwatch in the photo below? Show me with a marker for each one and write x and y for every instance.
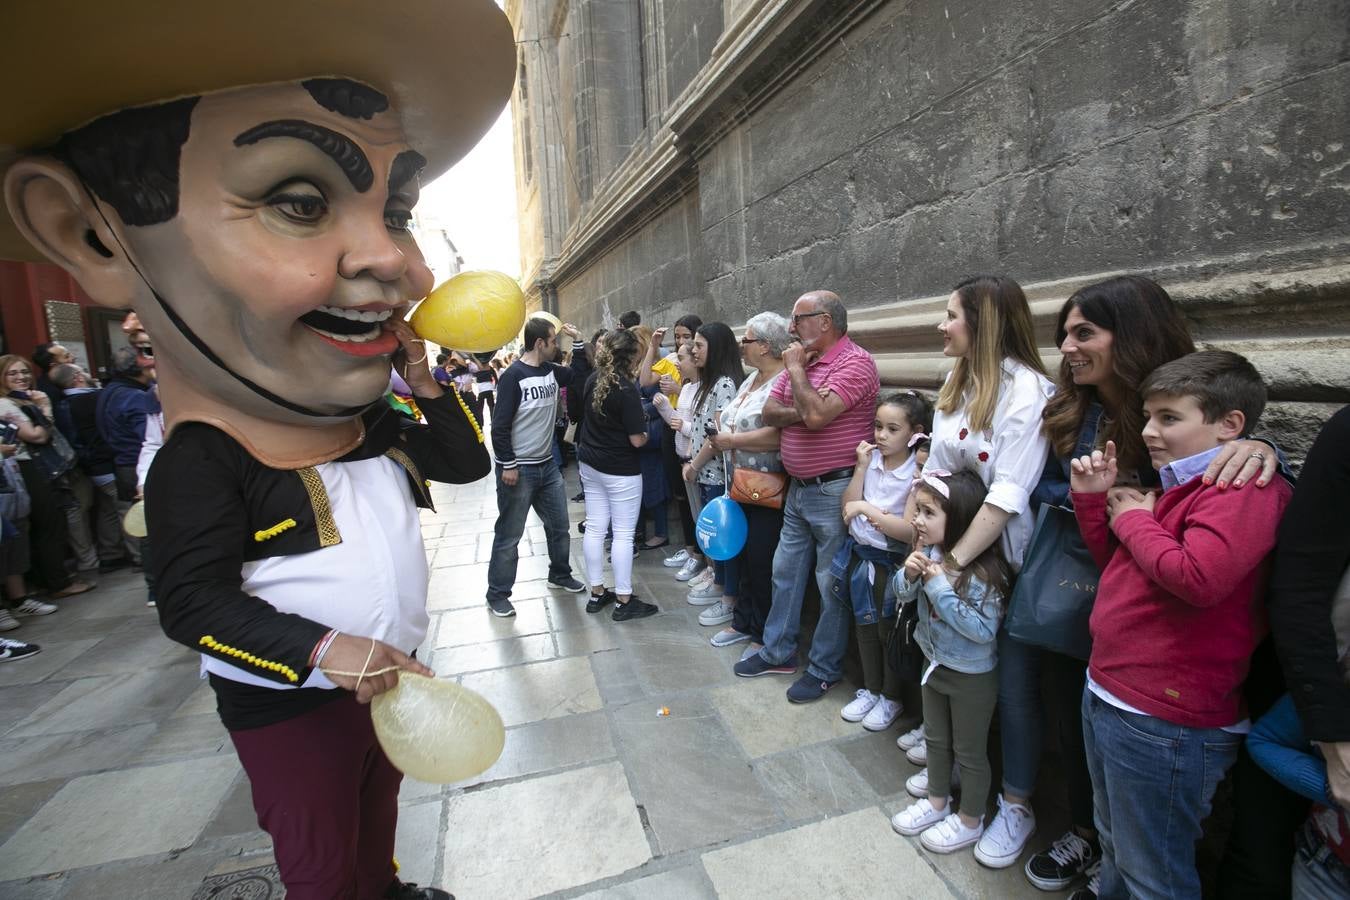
(949, 562)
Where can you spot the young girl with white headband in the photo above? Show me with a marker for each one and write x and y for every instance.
(959, 616)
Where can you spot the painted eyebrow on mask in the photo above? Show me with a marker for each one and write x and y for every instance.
(405, 168)
(335, 146)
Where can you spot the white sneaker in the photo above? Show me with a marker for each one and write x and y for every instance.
(677, 559)
(910, 738)
(704, 578)
(883, 715)
(728, 636)
(918, 754)
(705, 595)
(35, 607)
(917, 784)
(859, 706)
(717, 614)
(950, 835)
(690, 568)
(919, 818)
(1003, 840)
(7, 620)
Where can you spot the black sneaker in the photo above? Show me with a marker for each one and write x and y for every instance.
(112, 565)
(1057, 866)
(633, 609)
(597, 603)
(406, 890)
(1089, 890)
(501, 607)
(580, 497)
(808, 689)
(11, 650)
(568, 583)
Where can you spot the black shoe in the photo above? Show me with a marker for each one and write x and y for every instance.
(568, 583)
(581, 527)
(112, 565)
(597, 603)
(1057, 866)
(808, 689)
(406, 890)
(11, 649)
(633, 609)
(580, 497)
(501, 607)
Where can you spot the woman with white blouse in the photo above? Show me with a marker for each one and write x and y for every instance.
(988, 417)
(988, 414)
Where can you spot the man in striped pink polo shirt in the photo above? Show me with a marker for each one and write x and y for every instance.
(824, 402)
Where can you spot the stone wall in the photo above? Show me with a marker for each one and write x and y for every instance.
(884, 148)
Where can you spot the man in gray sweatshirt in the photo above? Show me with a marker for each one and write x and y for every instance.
(528, 394)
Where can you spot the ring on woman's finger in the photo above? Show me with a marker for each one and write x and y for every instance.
(1258, 455)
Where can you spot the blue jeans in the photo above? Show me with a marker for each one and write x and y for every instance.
(1023, 670)
(813, 529)
(1152, 782)
(1317, 872)
(726, 574)
(539, 487)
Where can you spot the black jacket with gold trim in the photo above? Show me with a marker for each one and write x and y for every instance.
(211, 508)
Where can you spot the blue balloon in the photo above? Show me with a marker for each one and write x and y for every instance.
(720, 529)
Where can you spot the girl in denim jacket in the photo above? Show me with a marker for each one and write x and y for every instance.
(959, 615)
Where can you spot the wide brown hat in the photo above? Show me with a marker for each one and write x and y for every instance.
(447, 65)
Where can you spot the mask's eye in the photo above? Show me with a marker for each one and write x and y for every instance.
(301, 208)
(398, 219)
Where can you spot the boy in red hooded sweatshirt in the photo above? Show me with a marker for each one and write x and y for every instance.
(1179, 611)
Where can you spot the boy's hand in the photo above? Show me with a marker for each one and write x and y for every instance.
(1123, 500)
(1096, 473)
(864, 452)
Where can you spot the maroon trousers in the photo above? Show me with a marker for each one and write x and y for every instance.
(328, 796)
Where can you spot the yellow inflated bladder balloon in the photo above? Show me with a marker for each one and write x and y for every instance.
(435, 730)
(474, 311)
(133, 523)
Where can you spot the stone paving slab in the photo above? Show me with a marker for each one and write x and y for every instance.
(689, 775)
(545, 834)
(119, 815)
(544, 690)
(855, 855)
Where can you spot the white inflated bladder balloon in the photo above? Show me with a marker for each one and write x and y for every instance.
(437, 731)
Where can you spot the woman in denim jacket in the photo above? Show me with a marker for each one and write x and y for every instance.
(958, 622)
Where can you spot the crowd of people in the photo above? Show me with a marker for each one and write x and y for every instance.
(72, 467)
(1092, 547)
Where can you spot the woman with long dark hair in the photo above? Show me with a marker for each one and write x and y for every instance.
(613, 431)
(718, 355)
(1112, 334)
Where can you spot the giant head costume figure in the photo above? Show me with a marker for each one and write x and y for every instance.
(242, 175)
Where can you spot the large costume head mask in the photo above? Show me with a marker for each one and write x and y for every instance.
(243, 175)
